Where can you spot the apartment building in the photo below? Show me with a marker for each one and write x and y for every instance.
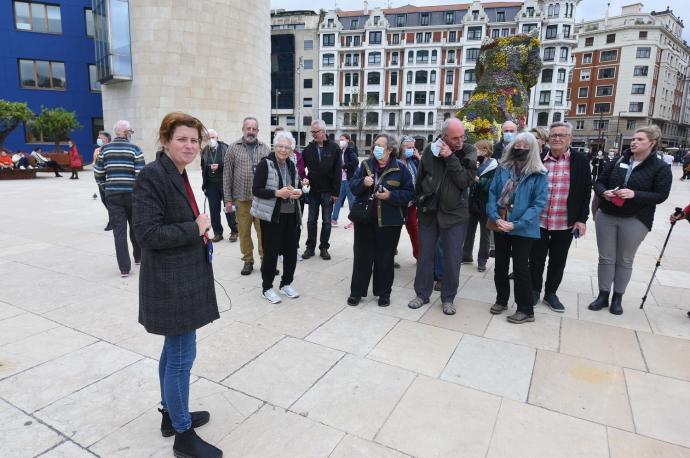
(630, 70)
(405, 70)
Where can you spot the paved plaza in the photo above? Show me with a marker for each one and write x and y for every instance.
(313, 377)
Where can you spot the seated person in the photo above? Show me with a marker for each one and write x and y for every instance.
(42, 161)
(5, 160)
(21, 161)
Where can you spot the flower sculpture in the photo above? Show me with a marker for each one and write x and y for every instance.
(507, 69)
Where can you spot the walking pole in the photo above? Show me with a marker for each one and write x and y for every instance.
(678, 211)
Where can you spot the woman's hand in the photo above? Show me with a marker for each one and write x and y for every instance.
(368, 181)
(204, 223)
(625, 193)
(385, 195)
(504, 226)
(608, 194)
(283, 193)
(295, 194)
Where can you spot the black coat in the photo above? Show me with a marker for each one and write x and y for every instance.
(325, 174)
(580, 189)
(651, 181)
(351, 161)
(176, 286)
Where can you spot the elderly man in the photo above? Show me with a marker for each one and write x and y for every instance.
(240, 164)
(508, 131)
(212, 167)
(446, 171)
(323, 160)
(118, 164)
(565, 213)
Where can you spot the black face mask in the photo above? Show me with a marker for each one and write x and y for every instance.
(520, 154)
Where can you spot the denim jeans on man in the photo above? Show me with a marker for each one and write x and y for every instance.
(174, 369)
(120, 214)
(214, 194)
(344, 192)
(319, 201)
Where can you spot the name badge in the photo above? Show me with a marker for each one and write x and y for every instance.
(209, 252)
(623, 165)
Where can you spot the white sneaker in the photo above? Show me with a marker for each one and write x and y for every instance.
(22, 167)
(299, 257)
(280, 258)
(289, 291)
(271, 296)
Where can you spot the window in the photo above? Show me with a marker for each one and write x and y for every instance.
(448, 98)
(374, 58)
(556, 116)
(542, 119)
(410, 57)
(306, 121)
(327, 99)
(328, 60)
(422, 57)
(394, 78)
(582, 108)
(450, 59)
(94, 85)
(469, 76)
(308, 45)
(450, 75)
(420, 98)
(450, 17)
(392, 98)
(472, 54)
(579, 125)
(372, 98)
(544, 97)
(374, 78)
(587, 58)
(356, 40)
(432, 97)
(643, 53)
(433, 56)
(558, 99)
(355, 79)
(376, 20)
(500, 16)
(504, 32)
(290, 120)
(346, 99)
(466, 96)
(635, 107)
(37, 17)
(566, 31)
(418, 118)
(327, 79)
(611, 38)
(308, 83)
(583, 92)
(585, 74)
(432, 77)
(600, 124)
(408, 98)
(641, 70)
(430, 118)
(367, 140)
(495, 33)
(551, 32)
(424, 18)
(354, 24)
(561, 75)
(350, 119)
(327, 117)
(372, 118)
(474, 33)
(589, 41)
(331, 23)
(394, 58)
(527, 28)
(475, 15)
(638, 89)
(308, 64)
(564, 54)
(607, 56)
(530, 11)
(602, 107)
(630, 124)
(307, 102)
(549, 53)
(375, 38)
(546, 75)
(567, 94)
(607, 73)
(348, 60)
(604, 91)
(642, 36)
(88, 20)
(348, 41)
(329, 39)
(400, 20)
(409, 77)
(396, 39)
(452, 36)
(42, 74)
(391, 119)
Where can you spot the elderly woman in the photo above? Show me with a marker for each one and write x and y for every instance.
(409, 156)
(479, 195)
(276, 193)
(629, 190)
(176, 284)
(517, 197)
(383, 189)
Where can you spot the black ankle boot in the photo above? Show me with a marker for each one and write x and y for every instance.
(600, 302)
(616, 304)
(199, 418)
(189, 445)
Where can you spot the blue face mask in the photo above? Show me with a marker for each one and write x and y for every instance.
(409, 152)
(508, 136)
(435, 149)
(379, 152)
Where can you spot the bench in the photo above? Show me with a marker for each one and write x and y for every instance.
(17, 174)
(61, 158)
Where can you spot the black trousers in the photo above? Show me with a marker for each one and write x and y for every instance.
(374, 250)
(279, 238)
(214, 194)
(518, 248)
(120, 213)
(555, 245)
(319, 201)
(53, 165)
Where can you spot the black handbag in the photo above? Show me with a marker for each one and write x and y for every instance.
(360, 211)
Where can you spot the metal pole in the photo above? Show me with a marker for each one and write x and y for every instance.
(658, 261)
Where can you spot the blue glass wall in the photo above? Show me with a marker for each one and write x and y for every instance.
(75, 49)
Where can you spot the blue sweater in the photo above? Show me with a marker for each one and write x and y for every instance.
(530, 199)
(118, 165)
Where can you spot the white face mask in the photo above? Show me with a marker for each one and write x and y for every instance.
(342, 143)
(213, 143)
(99, 142)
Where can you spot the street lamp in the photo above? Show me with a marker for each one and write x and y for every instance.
(277, 94)
(619, 140)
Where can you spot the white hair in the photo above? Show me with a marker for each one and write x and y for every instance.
(121, 127)
(533, 163)
(446, 125)
(503, 126)
(567, 125)
(212, 131)
(320, 124)
(283, 135)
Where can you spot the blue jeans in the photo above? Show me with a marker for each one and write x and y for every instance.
(344, 192)
(174, 369)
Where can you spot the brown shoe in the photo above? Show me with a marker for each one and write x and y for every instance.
(217, 238)
(247, 269)
(519, 318)
(498, 308)
(233, 237)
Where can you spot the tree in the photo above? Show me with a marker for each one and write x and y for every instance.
(56, 124)
(11, 114)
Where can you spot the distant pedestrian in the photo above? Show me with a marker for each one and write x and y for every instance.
(74, 160)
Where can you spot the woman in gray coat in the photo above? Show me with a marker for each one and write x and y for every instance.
(176, 285)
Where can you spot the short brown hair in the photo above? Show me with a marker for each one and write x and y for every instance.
(485, 145)
(346, 136)
(173, 120)
(652, 132)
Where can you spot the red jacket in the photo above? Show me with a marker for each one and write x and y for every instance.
(74, 158)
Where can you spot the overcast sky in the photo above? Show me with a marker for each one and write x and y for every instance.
(588, 9)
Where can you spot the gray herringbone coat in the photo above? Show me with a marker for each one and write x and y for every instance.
(176, 287)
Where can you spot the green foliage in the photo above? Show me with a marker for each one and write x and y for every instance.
(11, 114)
(56, 123)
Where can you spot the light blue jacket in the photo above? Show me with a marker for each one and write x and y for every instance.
(530, 199)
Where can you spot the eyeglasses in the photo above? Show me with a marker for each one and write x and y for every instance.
(281, 147)
(314, 132)
(554, 136)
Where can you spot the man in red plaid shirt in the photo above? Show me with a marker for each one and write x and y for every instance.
(563, 217)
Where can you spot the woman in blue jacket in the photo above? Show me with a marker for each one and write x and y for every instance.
(386, 185)
(517, 196)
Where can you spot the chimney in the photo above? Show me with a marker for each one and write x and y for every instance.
(366, 7)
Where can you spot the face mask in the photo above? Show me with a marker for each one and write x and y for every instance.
(213, 143)
(379, 152)
(508, 136)
(409, 152)
(99, 142)
(519, 154)
(435, 148)
(342, 143)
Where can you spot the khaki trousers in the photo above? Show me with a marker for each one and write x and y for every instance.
(244, 227)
